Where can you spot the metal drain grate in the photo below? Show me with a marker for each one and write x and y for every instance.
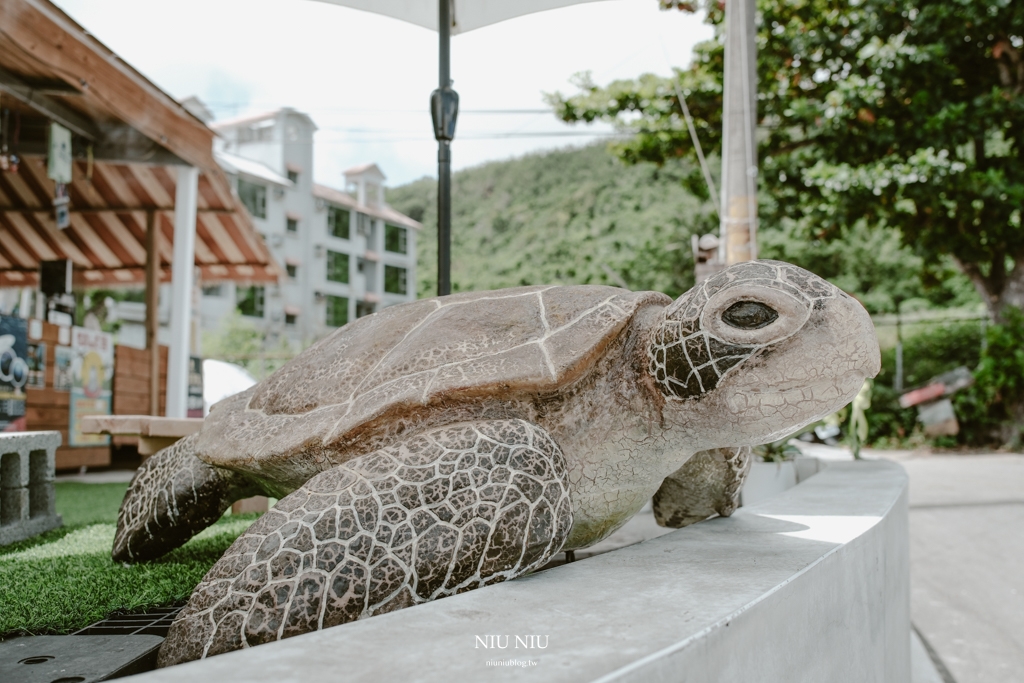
(156, 622)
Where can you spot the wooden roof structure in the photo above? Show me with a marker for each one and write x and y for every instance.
(128, 138)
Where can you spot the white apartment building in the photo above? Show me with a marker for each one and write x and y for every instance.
(346, 253)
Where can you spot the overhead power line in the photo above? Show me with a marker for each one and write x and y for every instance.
(351, 110)
(426, 137)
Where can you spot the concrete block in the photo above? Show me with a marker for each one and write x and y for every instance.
(767, 480)
(27, 504)
(806, 467)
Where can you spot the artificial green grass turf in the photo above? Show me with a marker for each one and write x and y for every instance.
(64, 580)
(88, 503)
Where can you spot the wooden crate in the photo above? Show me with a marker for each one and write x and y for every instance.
(131, 386)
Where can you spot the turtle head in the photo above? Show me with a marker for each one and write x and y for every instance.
(758, 351)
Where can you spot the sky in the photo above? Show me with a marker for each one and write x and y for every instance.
(365, 79)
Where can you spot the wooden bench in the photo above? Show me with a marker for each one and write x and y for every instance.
(156, 433)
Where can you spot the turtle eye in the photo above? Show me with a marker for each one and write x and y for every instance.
(749, 315)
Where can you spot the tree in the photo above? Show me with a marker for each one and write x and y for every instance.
(904, 114)
(237, 341)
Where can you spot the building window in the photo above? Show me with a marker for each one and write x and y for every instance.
(337, 267)
(292, 226)
(364, 308)
(293, 176)
(338, 222)
(250, 301)
(396, 239)
(291, 269)
(213, 290)
(289, 318)
(395, 280)
(254, 197)
(337, 310)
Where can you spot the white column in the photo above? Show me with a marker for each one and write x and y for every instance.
(182, 279)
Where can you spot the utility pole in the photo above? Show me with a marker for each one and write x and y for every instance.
(739, 145)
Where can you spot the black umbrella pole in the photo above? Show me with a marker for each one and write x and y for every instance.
(444, 217)
(444, 109)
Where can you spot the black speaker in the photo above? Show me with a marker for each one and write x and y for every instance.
(55, 277)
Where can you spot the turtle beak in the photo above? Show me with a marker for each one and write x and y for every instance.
(854, 324)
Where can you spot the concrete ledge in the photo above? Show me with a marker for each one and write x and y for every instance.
(812, 585)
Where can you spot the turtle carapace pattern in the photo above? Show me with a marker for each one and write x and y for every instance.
(449, 510)
(446, 444)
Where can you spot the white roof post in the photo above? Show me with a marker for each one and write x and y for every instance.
(182, 278)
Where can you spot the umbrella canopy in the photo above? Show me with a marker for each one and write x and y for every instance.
(221, 379)
(466, 15)
(449, 17)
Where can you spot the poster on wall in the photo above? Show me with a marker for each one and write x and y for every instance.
(13, 373)
(36, 365)
(92, 374)
(62, 358)
(195, 387)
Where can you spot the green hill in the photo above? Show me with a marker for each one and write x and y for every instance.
(564, 217)
(580, 216)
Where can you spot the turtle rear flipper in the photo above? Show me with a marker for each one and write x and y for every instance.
(446, 511)
(173, 496)
(706, 484)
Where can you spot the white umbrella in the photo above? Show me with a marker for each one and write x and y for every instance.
(221, 379)
(465, 15)
(449, 17)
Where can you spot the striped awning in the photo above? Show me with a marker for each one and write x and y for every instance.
(107, 237)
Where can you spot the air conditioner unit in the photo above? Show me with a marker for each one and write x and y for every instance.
(319, 250)
(319, 297)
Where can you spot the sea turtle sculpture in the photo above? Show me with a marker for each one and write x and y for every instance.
(451, 443)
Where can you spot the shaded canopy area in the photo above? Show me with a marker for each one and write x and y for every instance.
(107, 237)
(128, 140)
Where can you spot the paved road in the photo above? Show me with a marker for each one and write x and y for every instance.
(967, 562)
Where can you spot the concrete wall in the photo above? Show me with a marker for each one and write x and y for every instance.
(812, 585)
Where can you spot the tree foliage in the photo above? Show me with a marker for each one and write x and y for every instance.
(236, 340)
(993, 408)
(898, 114)
(581, 216)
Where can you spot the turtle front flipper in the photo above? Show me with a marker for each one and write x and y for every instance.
(173, 496)
(446, 511)
(708, 483)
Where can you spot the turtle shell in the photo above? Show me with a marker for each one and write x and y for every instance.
(415, 356)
